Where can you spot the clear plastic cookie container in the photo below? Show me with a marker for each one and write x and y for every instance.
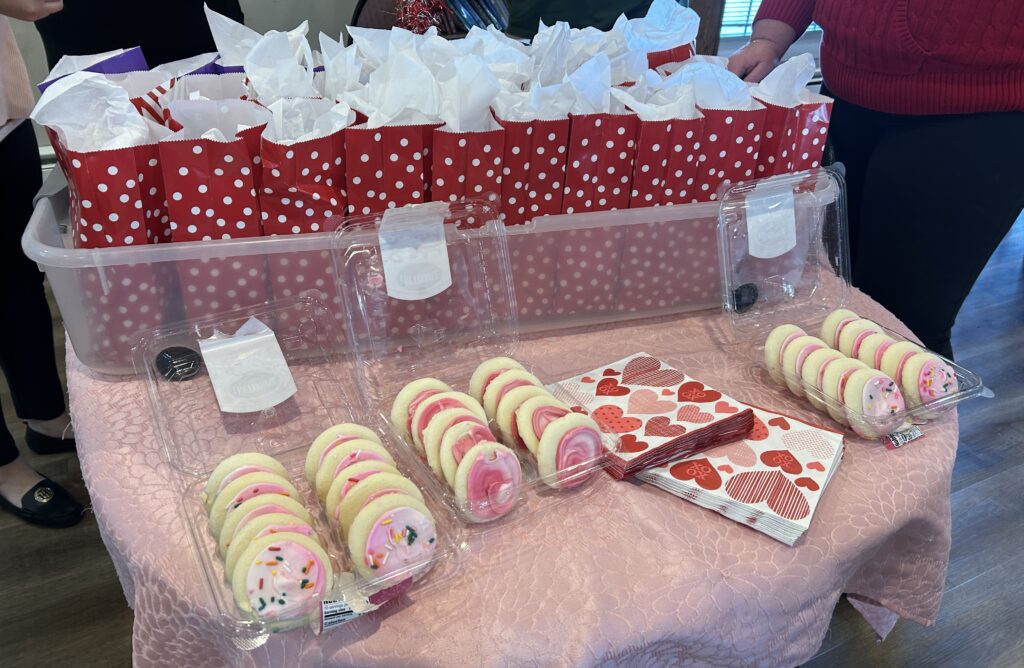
(429, 294)
(200, 424)
(784, 254)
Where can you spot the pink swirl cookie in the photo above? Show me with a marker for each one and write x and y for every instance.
(457, 441)
(439, 425)
(834, 324)
(813, 372)
(853, 334)
(927, 378)
(393, 537)
(488, 371)
(775, 346)
(873, 348)
(534, 416)
(343, 456)
(262, 526)
(331, 438)
(502, 385)
(409, 399)
(235, 467)
(255, 507)
(245, 488)
(368, 490)
(508, 406)
(349, 477)
(281, 577)
(570, 451)
(872, 400)
(793, 357)
(487, 481)
(436, 403)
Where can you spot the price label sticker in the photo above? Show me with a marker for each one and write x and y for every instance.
(335, 613)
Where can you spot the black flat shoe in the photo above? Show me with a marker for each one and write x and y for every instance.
(41, 444)
(47, 504)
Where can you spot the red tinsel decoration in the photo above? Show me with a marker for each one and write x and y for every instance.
(418, 15)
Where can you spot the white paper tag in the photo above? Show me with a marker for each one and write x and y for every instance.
(247, 369)
(771, 222)
(414, 253)
(335, 613)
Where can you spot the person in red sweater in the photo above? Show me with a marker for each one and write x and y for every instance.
(929, 123)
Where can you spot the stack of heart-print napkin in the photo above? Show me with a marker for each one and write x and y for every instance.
(771, 480)
(659, 413)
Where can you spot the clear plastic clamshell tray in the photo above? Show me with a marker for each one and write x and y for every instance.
(445, 335)
(784, 254)
(196, 435)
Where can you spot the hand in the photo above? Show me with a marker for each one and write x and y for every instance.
(30, 10)
(755, 60)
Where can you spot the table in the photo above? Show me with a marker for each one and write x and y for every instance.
(624, 574)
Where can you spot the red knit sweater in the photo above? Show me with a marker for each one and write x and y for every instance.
(917, 56)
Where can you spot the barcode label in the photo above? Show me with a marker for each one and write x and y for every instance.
(898, 439)
(335, 613)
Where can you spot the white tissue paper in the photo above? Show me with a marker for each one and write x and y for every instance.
(468, 89)
(343, 68)
(714, 87)
(590, 86)
(666, 25)
(234, 40)
(507, 59)
(185, 66)
(550, 51)
(375, 45)
(785, 85)
(652, 100)
(402, 91)
(297, 120)
(71, 64)
(540, 103)
(275, 71)
(90, 113)
(219, 120)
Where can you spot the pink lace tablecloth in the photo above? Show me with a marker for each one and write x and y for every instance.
(624, 574)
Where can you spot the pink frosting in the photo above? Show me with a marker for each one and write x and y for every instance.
(335, 443)
(578, 446)
(433, 409)
(303, 529)
(936, 380)
(902, 363)
(239, 472)
(402, 538)
(370, 498)
(351, 482)
(254, 490)
(508, 387)
(492, 486)
(880, 350)
(465, 443)
(858, 340)
(284, 580)
(357, 456)
(821, 372)
(490, 378)
(839, 330)
(841, 390)
(882, 397)
(265, 509)
(415, 403)
(802, 356)
(545, 415)
(785, 343)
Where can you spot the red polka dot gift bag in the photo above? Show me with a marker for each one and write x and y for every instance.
(388, 167)
(666, 33)
(796, 120)
(599, 170)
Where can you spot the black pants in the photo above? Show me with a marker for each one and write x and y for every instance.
(26, 337)
(930, 198)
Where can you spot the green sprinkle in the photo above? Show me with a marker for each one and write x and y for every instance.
(263, 604)
(302, 583)
(431, 540)
(279, 558)
(412, 534)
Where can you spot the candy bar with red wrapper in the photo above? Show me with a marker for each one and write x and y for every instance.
(796, 120)
(666, 33)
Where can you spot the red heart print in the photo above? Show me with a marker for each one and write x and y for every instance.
(808, 483)
(780, 422)
(738, 453)
(696, 392)
(816, 466)
(782, 459)
(811, 442)
(666, 392)
(646, 402)
(725, 468)
(698, 470)
(610, 372)
(630, 443)
(772, 487)
(587, 379)
(579, 409)
(611, 419)
(693, 414)
(648, 371)
(724, 407)
(662, 426)
(609, 387)
(758, 432)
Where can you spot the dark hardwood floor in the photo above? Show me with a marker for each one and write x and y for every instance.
(65, 606)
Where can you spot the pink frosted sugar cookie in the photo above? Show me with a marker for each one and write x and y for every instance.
(331, 438)
(254, 508)
(370, 489)
(502, 385)
(775, 345)
(534, 416)
(457, 441)
(343, 456)
(282, 576)
(409, 399)
(927, 378)
(264, 525)
(245, 488)
(508, 407)
(813, 372)
(235, 467)
(487, 481)
(834, 324)
(349, 478)
(833, 386)
(793, 358)
(895, 358)
(872, 399)
(566, 448)
(439, 425)
(392, 535)
(853, 335)
(873, 348)
(435, 404)
(488, 371)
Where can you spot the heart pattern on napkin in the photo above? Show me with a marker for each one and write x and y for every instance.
(782, 459)
(810, 442)
(609, 387)
(759, 431)
(648, 371)
(698, 470)
(724, 407)
(696, 392)
(646, 402)
(738, 453)
(610, 418)
(771, 487)
(662, 426)
(780, 422)
(693, 414)
(630, 443)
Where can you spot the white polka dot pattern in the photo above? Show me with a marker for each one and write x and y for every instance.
(794, 137)
(306, 274)
(467, 165)
(534, 171)
(587, 270)
(387, 167)
(220, 284)
(599, 173)
(204, 199)
(666, 162)
(303, 185)
(676, 54)
(810, 141)
(728, 151)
